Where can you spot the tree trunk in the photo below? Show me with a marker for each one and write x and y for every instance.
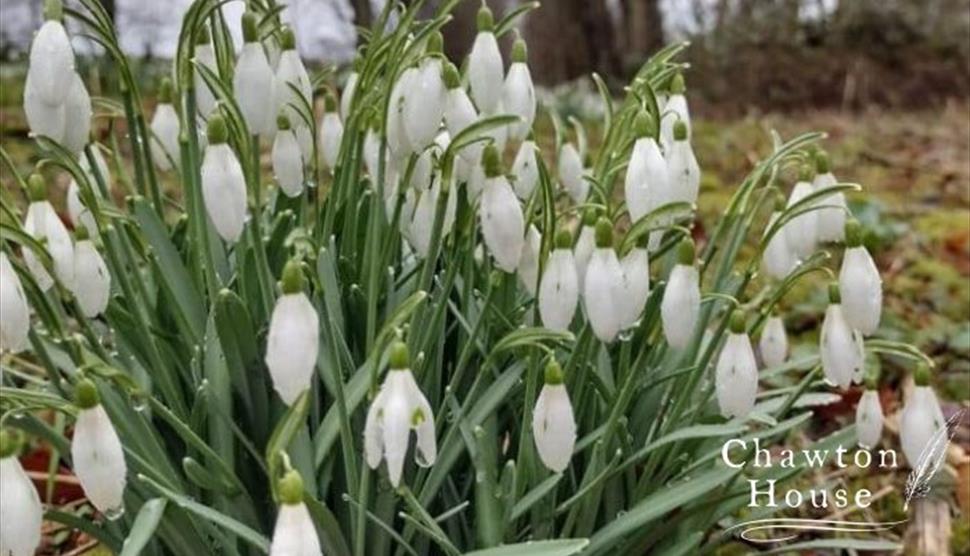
(571, 38)
(362, 13)
(644, 31)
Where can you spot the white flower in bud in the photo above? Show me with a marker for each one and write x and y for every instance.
(224, 190)
(603, 290)
(585, 245)
(736, 377)
(681, 305)
(92, 281)
(503, 226)
(397, 137)
(920, 421)
(636, 284)
(778, 259)
(20, 506)
(526, 170)
(674, 110)
(773, 344)
(646, 178)
(399, 408)
(529, 260)
(861, 289)
(295, 534)
(98, 459)
(43, 224)
(559, 289)
(76, 211)
(422, 222)
(290, 74)
(801, 232)
(553, 422)
(253, 83)
(304, 138)
(683, 173)
(518, 94)
(831, 219)
(424, 103)
(77, 116)
(331, 133)
(14, 311)
(459, 114)
(293, 341)
(347, 97)
(51, 63)
(288, 162)
(485, 71)
(571, 173)
(165, 143)
(43, 118)
(841, 348)
(205, 100)
(869, 419)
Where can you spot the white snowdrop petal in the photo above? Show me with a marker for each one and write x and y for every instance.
(290, 73)
(331, 133)
(43, 223)
(485, 72)
(460, 113)
(51, 62)
(554, 427)
(205, 101)
(424, 104)
(374, 432)
(287, 163)
(921, 418)
(295, 534)
(347, 97)
(778, 259)
(528, 269)
(14, 310)
(838, 346)
(253, 82)
(559, 290)
(21, 509)
(292, 345)
(224, 191)
(773, 344)
(526, 170)
(77, 116)
(736, 377)
(861, 288)
(422, 419)
(831, 219)
(585, 245)
(398, 412)
(636, 285)
(869, 419)
(680, 306)
(646, 178)
(518, 98)
(43, 118)
(571, 170)
(165, 143)
(603, 294)
(502, 223)
(98, 459)
(801, 232)
(683, 173)
(92, 281)
(674, 110)
(397, 138)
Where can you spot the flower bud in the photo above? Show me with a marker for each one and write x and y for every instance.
(165, 129)
(294, 532)
(559, 287)
(20, 528)
(860, 283)
(331, 132)
(92, 281)
(293, 341)
(14, 311)
(287, 159)
(869, 419)
(774, 342)
(646, 183)
(603, 287)
(553, 422)
(485, 65)
(43, 224)
(681, 302)
(571, 173)
(503, 225)
(223, 183)
(96, 452)
(518, 94)
(253, 82)
(736, 375)
(921, 420)
(840, 345)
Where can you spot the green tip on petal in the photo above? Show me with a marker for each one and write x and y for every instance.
(685, 252)
(853, 233)
(36, 188)
(53, 10)
(81, 233)
(202, 36)
(491, 162)
(329, 102)
(287, 39)
(435, 44)
(835, 296)
(589, 217)
(520, 52)
(216, 130)
(739, 321)
(604, 233)
(165, 91)
(553, 374)
(822, 162)
(282, 122)
(249, 27)
(806, 173)
(677, 86)
(872, 378)
(86, 394)
(564, 239)
(643, 124)
(291, 488)
(922, 374)
(399, 359)
(292, 280)
(484, 20)
(449, 74)
(680, 131)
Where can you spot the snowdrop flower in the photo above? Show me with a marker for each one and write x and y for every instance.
(571, 173)
(51, 66)
(165, 128)
(422, 221)
(293, 341)
(682, 298)
(485, 70)
(205, 55)
(921, 419)
(831, 220)
(840, 345)
(525, 168)
(646, 174)
(501, 216)
(559, 288)
(529, 260)
(347, 96)
(43, 224)
(422, 171)
(397, 137)
(636, 282)
(773, 344)
(223, 183)
(585, 245)
(294, 534)
(777, 260)
(292, 73)
(331, 132)
(518, 94)
(868, 416)
(77, 116)
(553, 422)
(424, 104)
(77, 212)
(736, 375)
(674, 111)
(683, 173)
(253, 80)
(20, 505)
(399, 408)
(287, 159)
(801, 232)
(860, 283)
(14, 311)
(42, 118)
(603, 288)
(96, 453)
(460, 113)
(92, 281)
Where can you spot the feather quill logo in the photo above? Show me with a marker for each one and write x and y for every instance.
(930, 461)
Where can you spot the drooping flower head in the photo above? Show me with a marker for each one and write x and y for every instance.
(44, 225)
(869, 416)
(831, 219)
(14, 310)
(424, 102)
(287, 159)
(736, 375)
(646, 174)
(801, 232)
(681, 303)
(92, 281)
(553, 423)
(603, 288)
(253, 81)
(773, 344)
(683, 173)
(295, 533)
(485, 72)
(559, 287)
(293, 341)
(20, 504)
(331, 131)
(223, 182)
(674, 110)
(96, 453)
(840, 344)
(518, 94)
(860, 282)
(503, 225)
(921, 420)
(165, 129)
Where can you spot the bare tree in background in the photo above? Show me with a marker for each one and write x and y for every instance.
(570, 38)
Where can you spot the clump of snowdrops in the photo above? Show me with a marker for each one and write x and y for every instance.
(236, 364)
